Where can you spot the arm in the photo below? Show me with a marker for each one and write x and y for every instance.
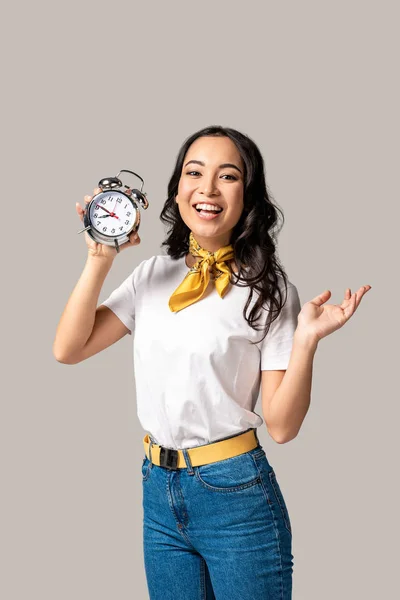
(284, 409)
(78, 318)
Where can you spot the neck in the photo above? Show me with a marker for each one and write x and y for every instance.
(212, 244)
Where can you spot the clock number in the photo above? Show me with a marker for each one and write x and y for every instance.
(128, 214)
(126, 222)
(113, 230)
(104, 228)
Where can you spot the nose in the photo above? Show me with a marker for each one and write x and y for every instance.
(207, 186)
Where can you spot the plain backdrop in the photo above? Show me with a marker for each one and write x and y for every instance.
(90, 88)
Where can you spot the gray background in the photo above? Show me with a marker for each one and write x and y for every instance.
(89, 89)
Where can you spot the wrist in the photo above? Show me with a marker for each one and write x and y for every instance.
(92, 254)
(305, 339)
(103, 261)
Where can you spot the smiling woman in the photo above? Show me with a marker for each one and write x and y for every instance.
(195, 314)
(214, 515)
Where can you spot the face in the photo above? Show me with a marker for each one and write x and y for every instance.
(212, 173)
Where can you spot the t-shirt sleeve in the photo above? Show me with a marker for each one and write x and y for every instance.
(277, 345)
(122, 302)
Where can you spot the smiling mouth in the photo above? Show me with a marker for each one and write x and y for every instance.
(208, 215)
(205, 210)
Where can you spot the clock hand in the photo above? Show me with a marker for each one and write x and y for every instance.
(111, 214)
(102, 207)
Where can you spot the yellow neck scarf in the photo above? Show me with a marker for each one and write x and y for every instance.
(196, 279)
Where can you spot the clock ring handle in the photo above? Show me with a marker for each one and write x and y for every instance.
(138, 194)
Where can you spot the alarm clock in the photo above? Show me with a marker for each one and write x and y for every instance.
(112, 215)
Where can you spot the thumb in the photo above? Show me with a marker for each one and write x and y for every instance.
(321, 298)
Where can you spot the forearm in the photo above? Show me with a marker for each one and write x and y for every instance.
(290, 403)
(77, 320)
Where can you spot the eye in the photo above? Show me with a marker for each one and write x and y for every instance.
(231, 176)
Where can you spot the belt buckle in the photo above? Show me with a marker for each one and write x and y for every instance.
(169, 458)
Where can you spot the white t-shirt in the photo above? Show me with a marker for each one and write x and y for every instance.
(197, 376)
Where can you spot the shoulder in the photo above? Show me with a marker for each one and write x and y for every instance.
(290, 296)
(292, 299)
(291, 287)
(292, 291)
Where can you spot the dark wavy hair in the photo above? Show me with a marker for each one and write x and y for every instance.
(253, 237)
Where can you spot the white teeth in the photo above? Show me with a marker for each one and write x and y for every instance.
(208, 207)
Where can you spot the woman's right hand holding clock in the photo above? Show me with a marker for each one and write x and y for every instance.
(102, 250)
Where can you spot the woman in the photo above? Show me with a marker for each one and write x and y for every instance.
(215, 521)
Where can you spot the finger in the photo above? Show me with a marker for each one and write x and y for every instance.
(135, 238)
(356, 297)
(350, 308)
(79, 210)
(319, 300)
(88, 199)
(96, 190)
(359, 295)
(363, 290)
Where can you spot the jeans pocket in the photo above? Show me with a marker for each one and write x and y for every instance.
(280, 499)
(229, 475)
(145, 468)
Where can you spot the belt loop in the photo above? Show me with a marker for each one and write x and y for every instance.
(150, 443)
(255, 433)
(188, 461)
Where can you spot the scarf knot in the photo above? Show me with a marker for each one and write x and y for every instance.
(197, 278)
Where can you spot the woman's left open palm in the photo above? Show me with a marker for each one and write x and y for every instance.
(319, 319)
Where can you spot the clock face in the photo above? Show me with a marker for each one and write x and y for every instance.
(112, 213)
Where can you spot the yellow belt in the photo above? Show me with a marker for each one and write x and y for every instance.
(200, 455)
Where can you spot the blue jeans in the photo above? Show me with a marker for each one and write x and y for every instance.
(216, 532)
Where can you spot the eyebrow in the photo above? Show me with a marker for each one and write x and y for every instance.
(223, 166)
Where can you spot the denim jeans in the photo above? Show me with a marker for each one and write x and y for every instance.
(219, 531)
